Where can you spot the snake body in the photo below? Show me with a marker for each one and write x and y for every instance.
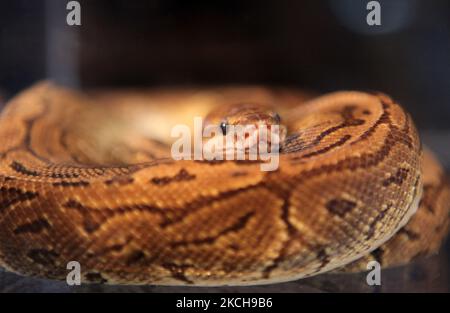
(90, 179)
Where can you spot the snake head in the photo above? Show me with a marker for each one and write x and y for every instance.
(247, 124)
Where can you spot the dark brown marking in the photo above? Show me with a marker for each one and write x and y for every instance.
(374, 223)
(336, 144)
(43, 256)
(290, 145)
(63, 143)
(21, 169)
(285, 215)
(34, 227)
(10, 196)
(398, 178)
(240, 224)
(407, 125)
(324, 258)
(383, 119)
(90, 224)
(93, 218)
(291, 230)
(182, 175)
(239, 174)
(29, 124)
(200, 202)
(178, 271)
(113, 248)
(377, 254)
(340, 207)
(26, 142)
(118, 247)
(234, 246)
(135, 257)
(349, 120)
(352, 163)
(120, 180)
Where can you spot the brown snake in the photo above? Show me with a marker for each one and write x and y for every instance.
(89, 179)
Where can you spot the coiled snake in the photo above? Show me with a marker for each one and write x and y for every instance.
(90, 179)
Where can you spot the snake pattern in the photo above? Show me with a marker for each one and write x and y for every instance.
(89, 178)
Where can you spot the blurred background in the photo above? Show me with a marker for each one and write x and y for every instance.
(315, 45)
(319, 45)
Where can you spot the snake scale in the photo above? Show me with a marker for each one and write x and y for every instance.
(88, 178)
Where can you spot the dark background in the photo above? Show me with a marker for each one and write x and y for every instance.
(320, 45)
(317, 45)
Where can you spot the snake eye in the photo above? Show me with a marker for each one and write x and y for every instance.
(223, 127)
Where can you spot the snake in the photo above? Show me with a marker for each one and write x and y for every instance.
(89, 177)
